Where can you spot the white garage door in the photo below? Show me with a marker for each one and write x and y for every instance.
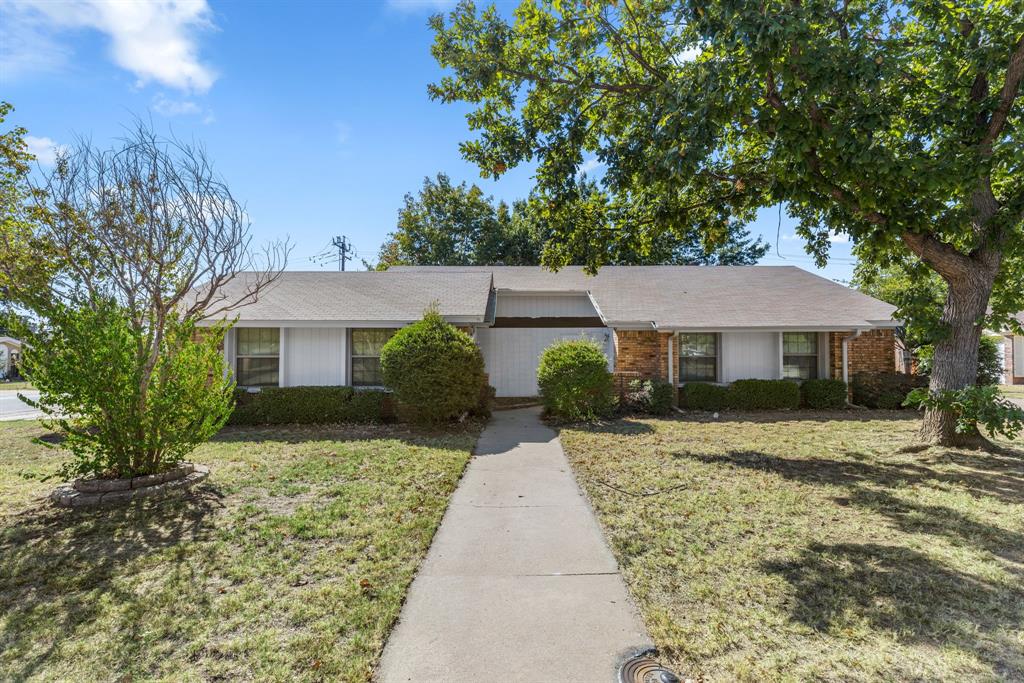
(512, 353)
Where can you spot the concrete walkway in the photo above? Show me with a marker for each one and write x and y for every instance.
(11, 407)
(518, 584)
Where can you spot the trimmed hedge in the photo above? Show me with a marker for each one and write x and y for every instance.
(435, 370)
(698, 396)
(308, 405)
(649, 396)
(885, 390)
(574, 381)
(824, 394)
(764, 394)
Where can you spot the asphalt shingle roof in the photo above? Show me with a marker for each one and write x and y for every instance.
(365, 296)
(699, 297)
(668, 297)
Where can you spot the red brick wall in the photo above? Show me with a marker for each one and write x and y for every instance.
(872, 351)
(642, 353)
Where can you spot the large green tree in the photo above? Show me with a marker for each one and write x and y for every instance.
(896, 123)
(458, 225)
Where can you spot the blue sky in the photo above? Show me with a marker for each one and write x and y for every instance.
(316, 114)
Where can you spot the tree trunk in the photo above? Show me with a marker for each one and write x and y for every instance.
(955, 364)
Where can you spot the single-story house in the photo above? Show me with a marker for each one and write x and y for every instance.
(10, 351)
(1013, 355)
(675, 323)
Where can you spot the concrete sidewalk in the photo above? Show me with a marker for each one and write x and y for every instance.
(518, 584)
(11, 407)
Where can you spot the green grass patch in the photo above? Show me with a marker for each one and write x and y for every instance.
(789, 547)
(16, 386)
(289, 564)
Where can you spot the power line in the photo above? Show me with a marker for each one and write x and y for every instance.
(344, 247)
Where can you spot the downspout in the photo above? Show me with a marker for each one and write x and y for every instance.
(846, 353)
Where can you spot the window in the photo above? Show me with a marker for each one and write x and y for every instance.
(258, 356)
(698, 357)
(366, 346)
(800, 355)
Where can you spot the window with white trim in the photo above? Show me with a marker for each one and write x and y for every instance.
(800, 355)
(257, 356)
(366, 343)
(698, 357)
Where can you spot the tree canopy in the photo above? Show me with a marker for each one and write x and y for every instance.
(458, 225)
(896, 123)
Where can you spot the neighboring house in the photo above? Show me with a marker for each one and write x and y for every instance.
(677, 323)
(1013, 356)
(10, 351)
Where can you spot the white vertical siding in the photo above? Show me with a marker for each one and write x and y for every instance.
(512, 354)
(229, 350)
(749, 355)
(1018, 356)
(543, 306)
(314, 356)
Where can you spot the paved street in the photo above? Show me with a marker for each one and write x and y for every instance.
(11, 407)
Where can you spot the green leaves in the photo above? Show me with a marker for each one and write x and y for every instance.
(974, 407)
(861, 120)
(86, 366)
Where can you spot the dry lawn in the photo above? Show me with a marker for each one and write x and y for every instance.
(792, 547)
(289, 564)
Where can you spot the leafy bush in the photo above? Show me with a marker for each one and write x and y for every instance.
(824, 394)
(974, 406)
(764, 394)
(125, 415)
(990, 370)
(886, 390)
(308, 405)
(700, 396)
(486, 403)
(574, 381)
(435, 370)
(653, 397)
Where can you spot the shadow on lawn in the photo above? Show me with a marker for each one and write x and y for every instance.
(844, 586)
(997, 475)
(59, 569)
(867, 483)
(802, 415)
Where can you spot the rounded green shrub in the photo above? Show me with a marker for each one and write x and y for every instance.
(824, 394)
(435, 370)
(574, 381)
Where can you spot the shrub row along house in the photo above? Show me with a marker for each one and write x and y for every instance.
(675, 323)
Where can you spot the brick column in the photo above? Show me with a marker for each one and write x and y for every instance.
(873, 351)
(642, 353)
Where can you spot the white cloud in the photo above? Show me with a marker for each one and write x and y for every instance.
(590, 165)
(419, 5)
(44, 150)
(342, 132)
(157, 41)
(167, 107)
(840, 238)
(689, 54)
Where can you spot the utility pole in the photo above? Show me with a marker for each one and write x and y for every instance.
(344, 247)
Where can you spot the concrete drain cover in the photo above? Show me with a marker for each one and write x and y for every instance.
(645, 669)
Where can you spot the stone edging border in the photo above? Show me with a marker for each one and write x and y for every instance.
(83, 493)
